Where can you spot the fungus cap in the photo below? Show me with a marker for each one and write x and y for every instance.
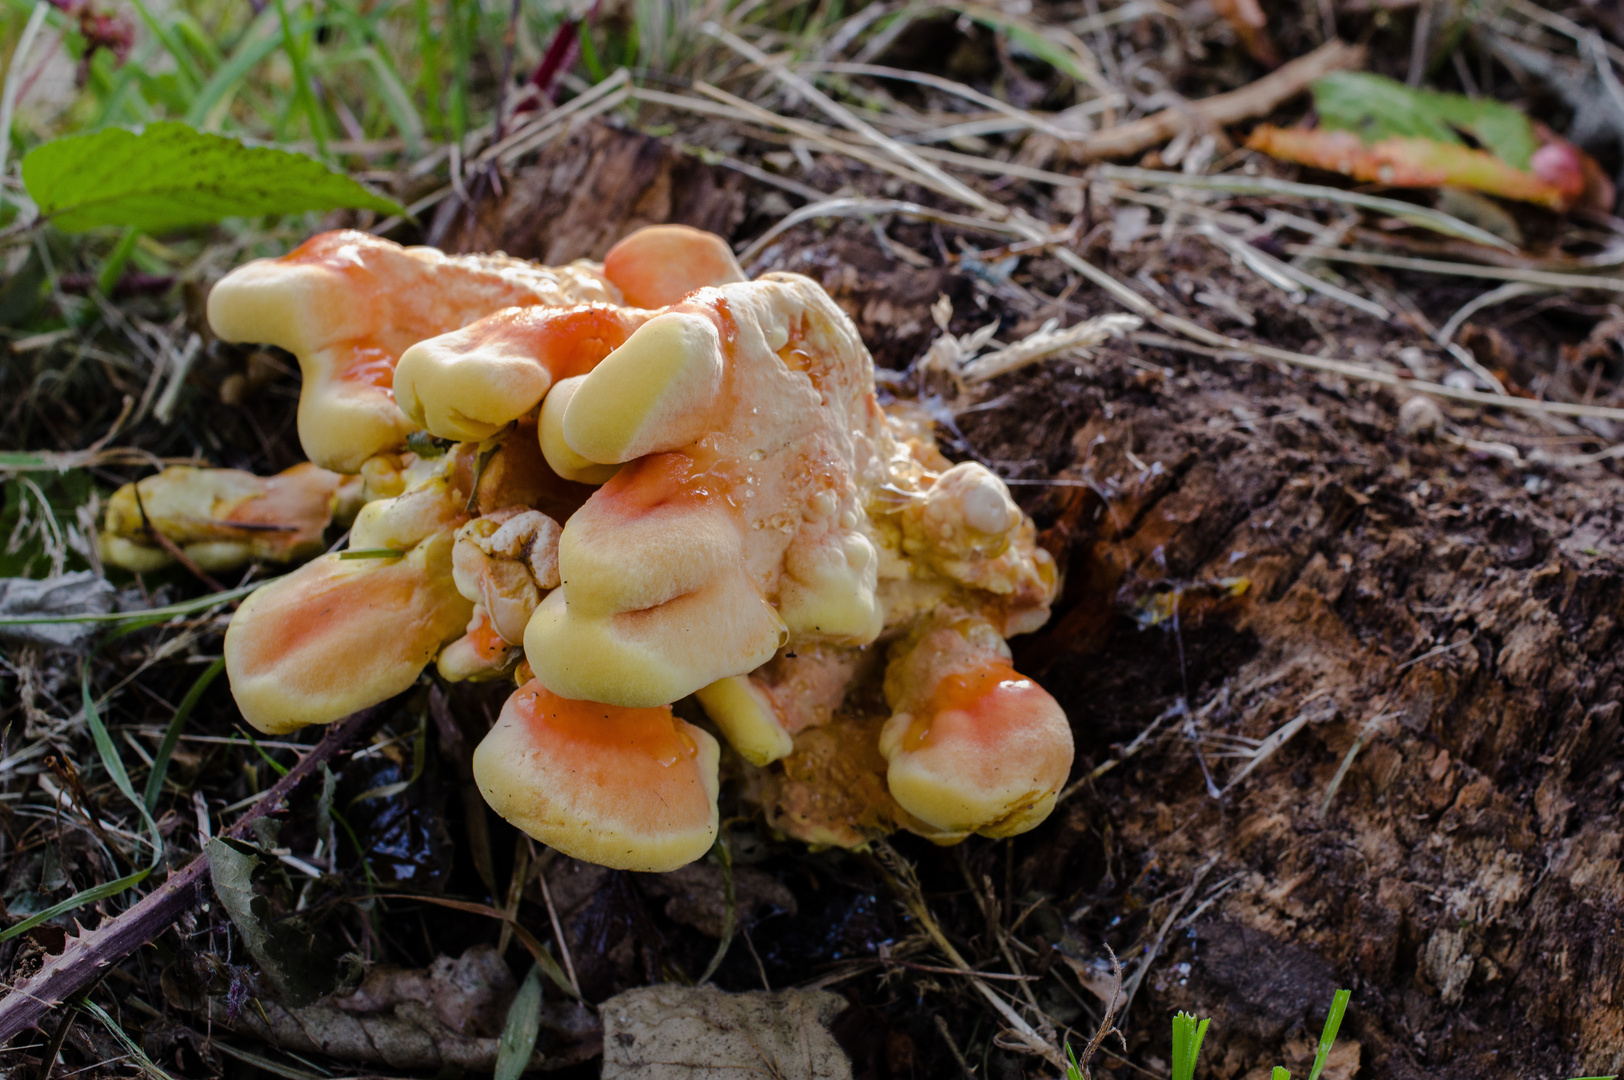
(987, 752)
(338, 635)
(971, 745)
(348, 304)
(555, 449)
(744, 417)
(656, 392)
(748, 719)
(633, 789)
(655, 655)
(659, 265)
(472, 382)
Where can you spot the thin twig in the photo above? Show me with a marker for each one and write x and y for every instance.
(906, 885)
(1138, 977)
(843, 116)
(1459, 269)
(558, 933)
(1253, 99)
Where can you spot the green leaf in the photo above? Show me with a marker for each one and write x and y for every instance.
(1280, 1073)
(160, 760)
(1375, 108)
(78, 899)
(519, 1032)
(144, 1063)
(1187, 1035)
(1333, 1021)
(287, 947)
(169, 175)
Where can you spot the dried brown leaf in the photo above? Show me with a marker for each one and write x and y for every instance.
(700, 1033)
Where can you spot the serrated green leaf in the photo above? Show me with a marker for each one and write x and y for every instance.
(1375, 108)
(169, 175)
(519, 1033)
(287, 948)
(231, 868)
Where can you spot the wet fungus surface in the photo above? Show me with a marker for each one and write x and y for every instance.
(619, 485)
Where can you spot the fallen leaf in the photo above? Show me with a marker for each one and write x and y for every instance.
(1412, 162)
(78, 593)
(387, 1022)
(468, 994)
(700, 1033)
(1376, 108)
(1377, 130)
(695, 896)
(286, 948)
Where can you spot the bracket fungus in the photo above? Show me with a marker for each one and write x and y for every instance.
(666, 480)
(221, 518)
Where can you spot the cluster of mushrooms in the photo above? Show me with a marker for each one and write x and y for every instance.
(619, 485)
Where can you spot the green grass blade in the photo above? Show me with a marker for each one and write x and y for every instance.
(160, 760)
(296, 44)
(1187, 1035)
(114, 765)
(145, 617)
(1074, 1071)
(196, 38)
(260, 40)
(392, 92)
(113, 268)
(115, 87)
(730, 908)
(1333, 1021)
(462, 47)
(111, 761)
(428, 77)
(146, 1064)
(279, 768)
(521, 1028)
(589, 54)
(78, 899)
(185, 62)
(397, 100)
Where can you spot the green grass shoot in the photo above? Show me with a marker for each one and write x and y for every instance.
(1333, 1021)
(1187, 1035)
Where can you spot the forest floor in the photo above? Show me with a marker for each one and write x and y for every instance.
(1340, 658)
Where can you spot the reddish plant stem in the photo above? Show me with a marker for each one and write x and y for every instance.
(88, 956)
(561, 54)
